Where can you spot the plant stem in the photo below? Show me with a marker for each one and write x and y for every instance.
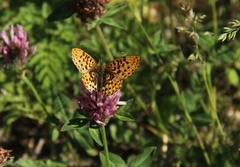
(154, 104)
(105, 144)
(214, 16)
(175, 86)
(100, 33)
(138, 98)
(147, 37)
(212, 99)
(158, 117)
(73, 152)
(28, 82)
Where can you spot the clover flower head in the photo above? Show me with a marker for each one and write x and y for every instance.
(89, 9)
(4, 154)
(15, 47)
(98, 107)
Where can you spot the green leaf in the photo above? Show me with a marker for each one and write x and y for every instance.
(95, 133)
(232, 76)
(54, 134)
(201, 119)
(124, 117)
(12, 117)
(166, 48)
(189, 99)
(115, 160)
(10, 163)
(114, 22)
(61, 12)
(94, 24)
(93, 124)
(83, 139)
(61, 104)
(74, 123)
(115, 10)
(39, 163)
(123, 109)
(157, 38)
(143, 159)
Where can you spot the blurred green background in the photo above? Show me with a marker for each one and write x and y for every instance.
(189, 110)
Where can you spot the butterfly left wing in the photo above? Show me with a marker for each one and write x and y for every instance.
(82, 60)
(124, 67)
(88, 80)
(86, 66)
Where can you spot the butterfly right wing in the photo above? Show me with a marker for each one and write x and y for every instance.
(82, 60)
(112, 86)
(117, 70)
(124, 67)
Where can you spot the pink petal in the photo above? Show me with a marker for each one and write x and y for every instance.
(122, 103)
(25, 44)
(11, 29)
(34, 50)
(21, 34)
(17, 43)
(101, 123)
(5, 50)
(5, 37)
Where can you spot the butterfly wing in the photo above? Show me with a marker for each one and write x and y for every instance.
(86, 65)
(118, 70)
(112, 86)
(82, 60)
(111, 77)
(124, 67)
(88, 80)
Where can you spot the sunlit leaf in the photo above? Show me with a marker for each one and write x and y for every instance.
(115, 160)
(233, 76)
(95, 133)
(114, 22)
(115, 9)
(94, 24)
(143, 159)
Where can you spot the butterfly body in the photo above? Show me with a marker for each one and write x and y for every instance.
(104, 78)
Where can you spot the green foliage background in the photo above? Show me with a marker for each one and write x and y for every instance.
(175, 101)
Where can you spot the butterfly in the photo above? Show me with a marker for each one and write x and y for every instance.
(101, 77)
